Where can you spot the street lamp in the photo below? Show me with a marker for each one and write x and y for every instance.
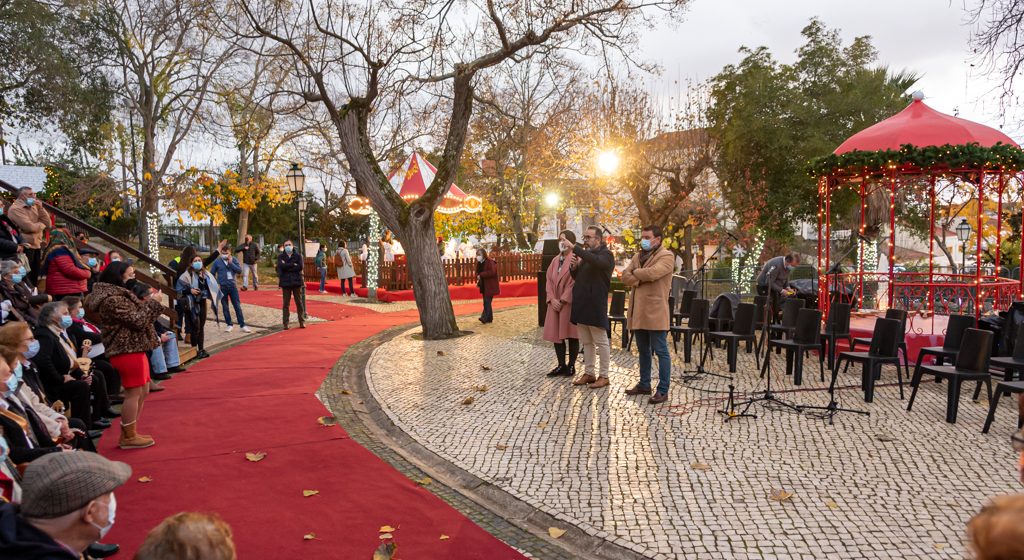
(296, 180)
(608, 162)
(551, 200)
(963, 233)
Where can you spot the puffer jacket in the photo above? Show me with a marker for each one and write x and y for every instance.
(63, 277)
(125, 320)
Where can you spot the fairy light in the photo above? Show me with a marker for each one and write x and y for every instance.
(153, 239)
(372, 256)
(743, 273)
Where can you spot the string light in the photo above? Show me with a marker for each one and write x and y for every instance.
(372, 256)
(743, 272)
(153, 239)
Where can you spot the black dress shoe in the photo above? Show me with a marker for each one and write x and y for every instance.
(161, 376)
(558, 371)
(176, 369)
(94, 434)
(100, 550)
(100, 424)
(110, 414)
(202, 354)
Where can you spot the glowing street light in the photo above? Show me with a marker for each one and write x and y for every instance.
(608, 162)
(552, 199)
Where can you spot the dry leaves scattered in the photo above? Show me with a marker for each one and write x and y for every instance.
(542, 425)
(501, 447)
(555, 532)
(145, 479)
(468, 400)
(700, 466)
(780, 495)
(831, 504)
(444, 537)
(940, 546)
(485, 368)
(327, 421)
(424, 481)
(308, 493)
(346, 392)
(885, 437)
(387, 529)
(440, 353)
(386, 551)
(480, 388)
(309, 536)
(255, 456)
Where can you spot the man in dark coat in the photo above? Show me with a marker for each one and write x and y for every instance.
(593, 274)
(289, 274)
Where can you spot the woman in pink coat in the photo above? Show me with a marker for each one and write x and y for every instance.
(557, 328)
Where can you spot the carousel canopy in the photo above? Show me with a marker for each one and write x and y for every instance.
(920, 125)
(411, 180)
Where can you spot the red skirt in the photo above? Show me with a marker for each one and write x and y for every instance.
(134, 369)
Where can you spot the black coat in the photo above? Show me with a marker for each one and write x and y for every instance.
(289, 270)
(10, 238)
(52, 362)
(19, 539)
(21, 450)
(590, 292)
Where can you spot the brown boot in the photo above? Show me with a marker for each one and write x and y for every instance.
(131, 440)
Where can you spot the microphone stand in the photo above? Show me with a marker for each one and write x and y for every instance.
(832, 408)
(700, 371)
(767, 395)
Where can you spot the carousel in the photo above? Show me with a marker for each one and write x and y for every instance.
(920, 174)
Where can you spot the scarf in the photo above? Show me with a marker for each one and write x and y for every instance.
(644, 255)
(61, 242)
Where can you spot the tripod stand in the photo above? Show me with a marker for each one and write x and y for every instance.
(767, 395)
(832, 408)
(705, 349)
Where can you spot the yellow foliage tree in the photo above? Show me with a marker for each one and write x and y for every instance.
(205, 196)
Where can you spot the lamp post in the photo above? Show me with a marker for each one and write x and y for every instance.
(297, 184)
(963, 233)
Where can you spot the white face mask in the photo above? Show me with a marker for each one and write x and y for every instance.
(111, 512)
(480, 258)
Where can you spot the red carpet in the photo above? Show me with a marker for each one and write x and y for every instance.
(515, 288)
(260, 397)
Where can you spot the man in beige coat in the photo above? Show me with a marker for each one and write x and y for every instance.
(649, 275)
(32, 220)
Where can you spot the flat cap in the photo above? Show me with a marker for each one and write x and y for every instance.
(57, 484)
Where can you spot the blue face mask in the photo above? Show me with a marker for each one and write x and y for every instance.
(288, 249)
(17, 278)
(30, 201)
(22, 270)
(65, 321)
(19, 373)
(197, 265)
(645, 244)
(92, 261)
(81, 313)
(12, 386)
(33, 349)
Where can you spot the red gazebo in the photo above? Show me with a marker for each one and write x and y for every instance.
(906, 162)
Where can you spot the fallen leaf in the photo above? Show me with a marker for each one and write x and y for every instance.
(309, 536)
(481, 388)
(485, 368)
(780, 495)
(145, 479)
(424, 481)
(440, 353)
(346, 392)
(885, 437)
(256, 456)
(501, 447)
(386, 551)
(939, 546)
(387, 529)
(308, 493)
(700, 466)
(444, 537)
(385, 536)
(831, 504)
(327, 421)
(542, 425)
(468, 400)
(555, 532)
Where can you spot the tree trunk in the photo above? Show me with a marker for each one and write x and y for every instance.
(427, 274)
(688, 248)
(945, 251)
(243, 179)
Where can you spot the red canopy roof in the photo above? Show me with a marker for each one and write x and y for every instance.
(415, 175)
(920, 125)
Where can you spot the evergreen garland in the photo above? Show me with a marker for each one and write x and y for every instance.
(1000, 157)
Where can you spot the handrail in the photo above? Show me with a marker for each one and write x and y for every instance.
(116, 243)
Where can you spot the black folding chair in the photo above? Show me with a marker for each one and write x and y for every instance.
(697, 326)
(955, 329)
(742, 331)
(971, 365)
(617, 315)
(806, 338)
(685, 300)
(1003, 388)
(901, 316)
(883, 350)
(1014, 363)
(785, 328)
(836, 327)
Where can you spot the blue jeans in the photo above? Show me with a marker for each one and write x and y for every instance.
(231, 292)
(323, 278)
(164, 356)
(648, 342)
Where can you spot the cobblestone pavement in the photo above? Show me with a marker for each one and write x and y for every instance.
(674, 481)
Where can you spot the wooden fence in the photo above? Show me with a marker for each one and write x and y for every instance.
(394, 276)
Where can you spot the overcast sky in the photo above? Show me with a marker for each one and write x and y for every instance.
(929, 37)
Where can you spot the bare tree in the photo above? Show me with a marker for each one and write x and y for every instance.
(166, 56)
(369, 64)
(998, 40)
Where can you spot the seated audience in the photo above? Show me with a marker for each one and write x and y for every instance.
(111, 256)
(65, 271)
(23, 429)
(12, 246)
(10, 488)
(188, 536)
(20, 301)
(89, 343)
(61, 371)
(126, 323)
(67, 504)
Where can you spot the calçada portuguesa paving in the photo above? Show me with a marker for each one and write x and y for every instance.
(675, 481)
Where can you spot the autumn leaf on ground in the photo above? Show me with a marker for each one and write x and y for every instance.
(346, 392)
(780, 495)
(555, 532)
(255, 456)
(385, 536)
(468, 400)
(501, 447)
(387, 529)
(424, 481)
(308, 493)
(542, 425)
(309, 536)
(145, 479)
(327, 421)
(440, 353)
(481, 388)
(831, 504)
(485, 368)
(700, 466)
(444, 537)
(885, 437)
(386, 551)
(940, 546)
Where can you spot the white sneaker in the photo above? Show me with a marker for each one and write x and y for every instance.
(229, 329)
(246, 329)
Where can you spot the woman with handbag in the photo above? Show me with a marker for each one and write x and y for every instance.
(346, 272)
